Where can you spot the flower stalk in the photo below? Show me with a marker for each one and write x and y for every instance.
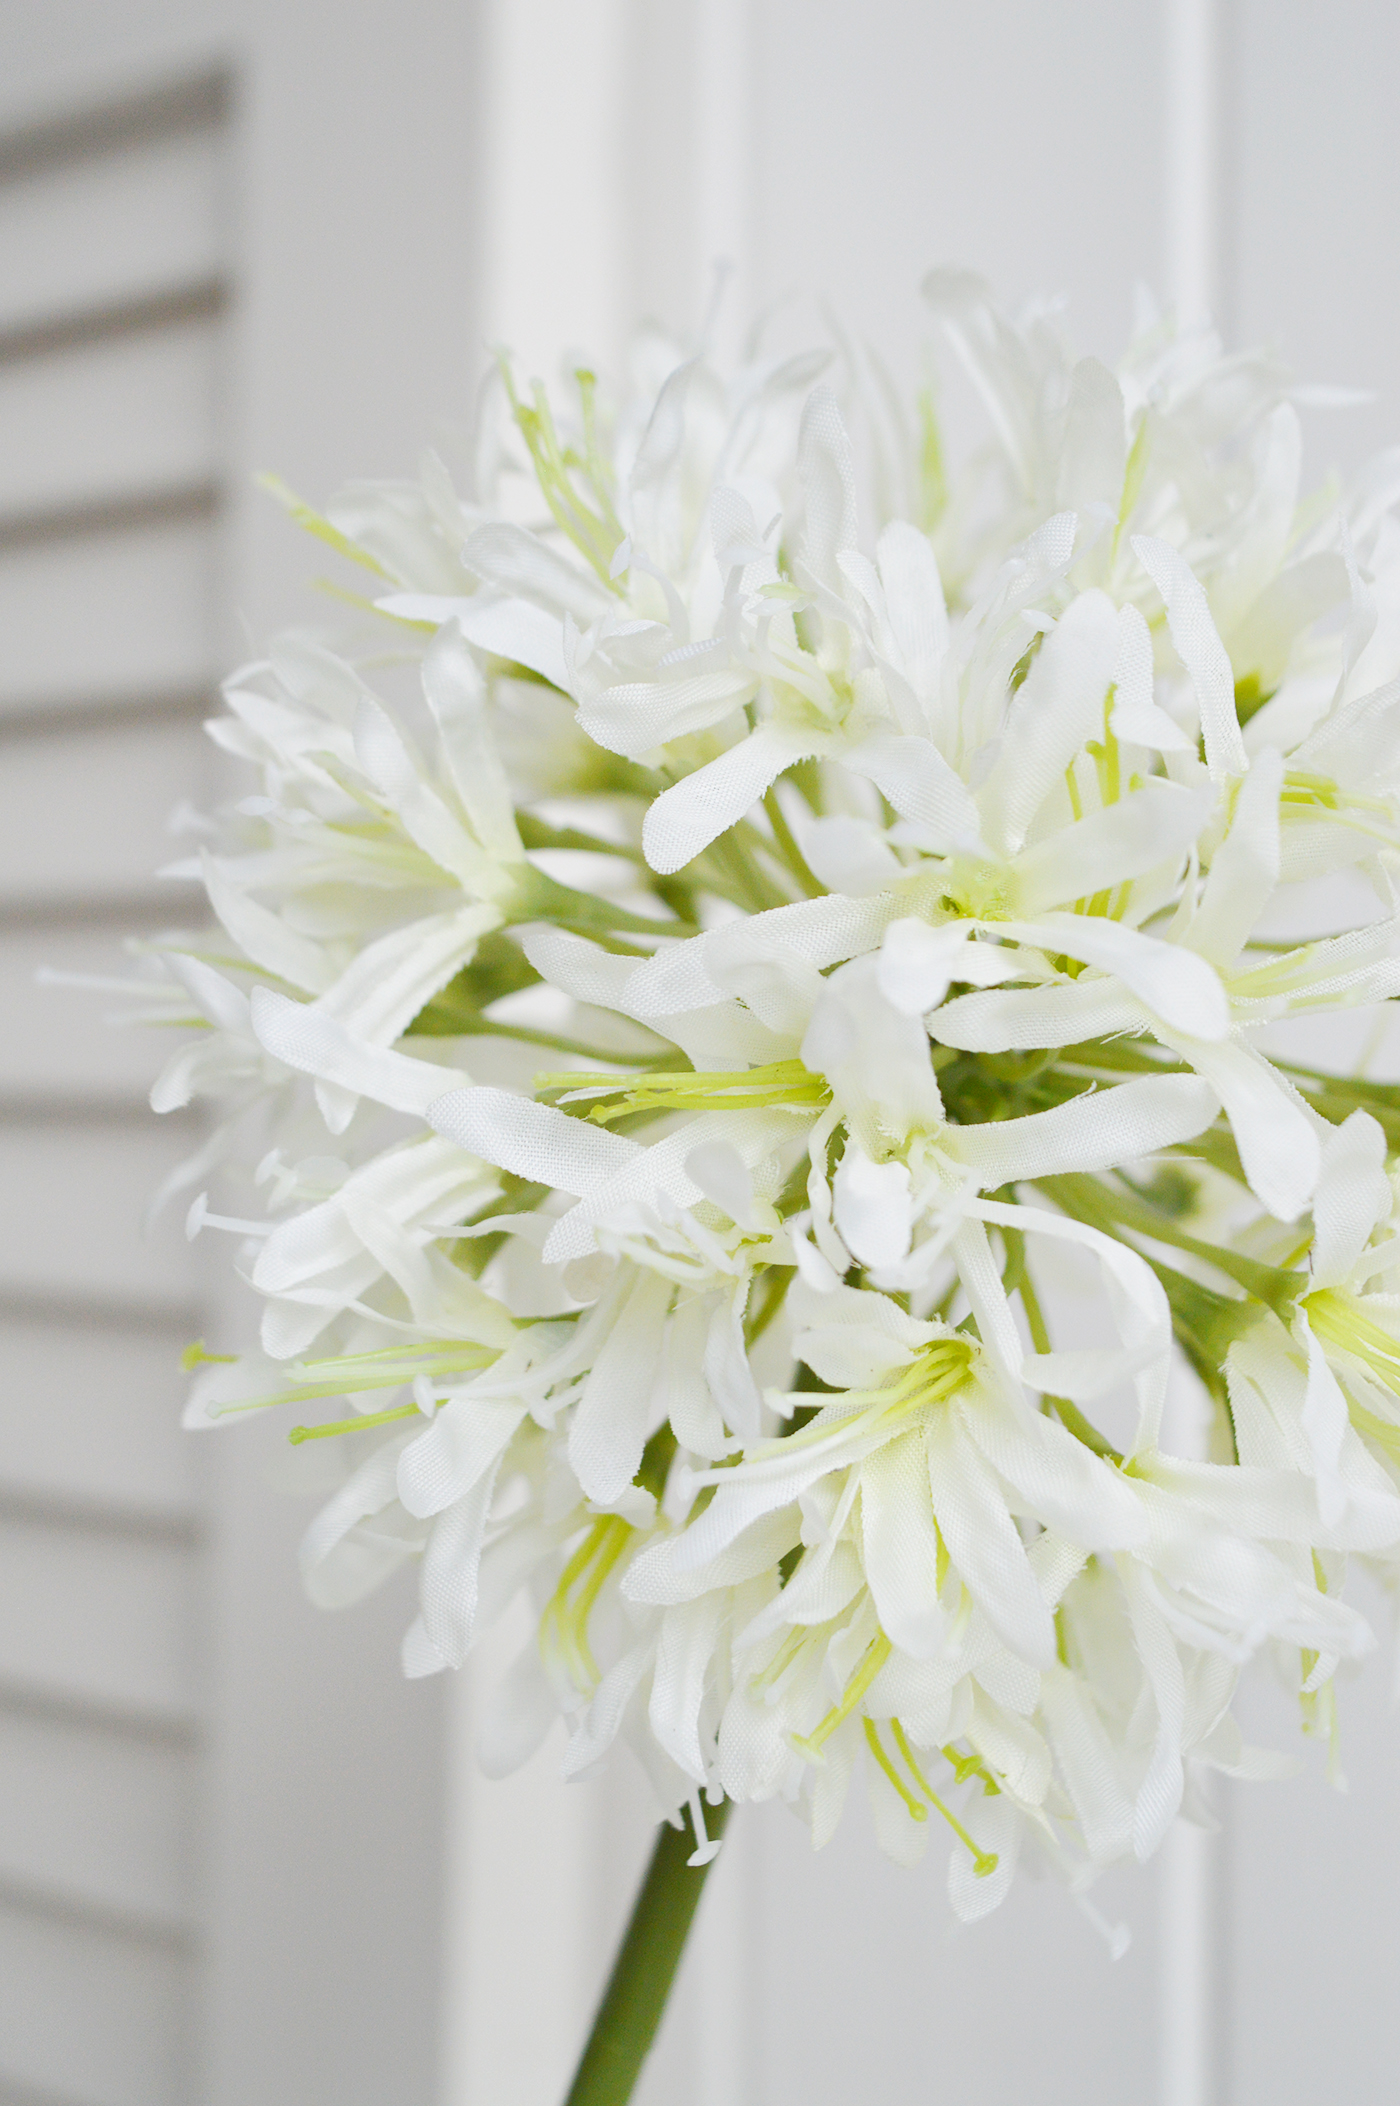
(646, 1966)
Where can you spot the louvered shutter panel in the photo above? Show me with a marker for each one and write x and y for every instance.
(112, 291)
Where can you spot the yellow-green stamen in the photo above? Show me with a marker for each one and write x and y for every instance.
(358, 1424)
(984, 1862)
(916, 1809)
(1338, 1320)
(338, 1375)
(565, 1619)
(781, 1084)
(811, 1744)
(196, 1355)
(936, 1370)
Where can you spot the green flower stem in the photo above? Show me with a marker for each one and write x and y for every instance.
(644, 1969)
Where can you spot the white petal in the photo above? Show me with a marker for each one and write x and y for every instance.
(1244, 870)
(636, 716)
(1136, 718)
(683, 1654)
(302, 1035)
(455, 1451)
(519, 1713)
(507, 628)
(1179, 987)
(827, 473)
(1353, 1197)
(1058, 707)
(900, 1542)
(1153, 825)
(1325, 1422)
(1062, 1483)
(754, 1135)
(595, 1733)
(995, 1825)
(610, 1425)
(686, 818)
(519, 563)
(1093, 451)
(370, 1488)
(534, 1140)
(400, 780)
(985, 1546)
(383, 988)
(1159, 1794)
(918, 782)
(917, 962)
(1200, 650)
(1281, 1506)
(1273, 1130)
(917, 612)
(456, 694)
(845, 854)
(1091, 1132)
(1066, 1013)
(819, 932)
(448, 1576)
(263, 935)
(1088, 1762)
(873, 1209)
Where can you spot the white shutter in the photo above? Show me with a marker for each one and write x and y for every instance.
(111, 288)
(239, 239)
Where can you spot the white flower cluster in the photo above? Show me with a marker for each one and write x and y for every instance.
(897, 892)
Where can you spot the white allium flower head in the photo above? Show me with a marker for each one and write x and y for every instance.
(758, 1027)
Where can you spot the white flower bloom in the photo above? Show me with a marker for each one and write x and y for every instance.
(753, 923)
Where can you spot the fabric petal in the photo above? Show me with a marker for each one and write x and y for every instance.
(506, 628)
(1091, 1132)
(900, 1541)
(1181, 988)
(1122, 841)
(686, 818)
(533, 1140)
(1200, 650)
(985, 1546)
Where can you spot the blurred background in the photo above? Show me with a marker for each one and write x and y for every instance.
(242, 1863)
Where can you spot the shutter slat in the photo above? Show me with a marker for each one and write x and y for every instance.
(130, 2047)
(101, 418)
(94, 1414)
(112, 292)
(82, 818)
(131, 222)
(121, 616)
(97, 1820)
(78, 1195)
(102, 1619)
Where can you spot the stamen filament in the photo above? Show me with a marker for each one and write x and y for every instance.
(1337, 1320)
(785, 1083)
(358, 1424)
(984, 1862)
(568, 1619)
(917, 1810)
(811, 1745)
(388, 1368)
